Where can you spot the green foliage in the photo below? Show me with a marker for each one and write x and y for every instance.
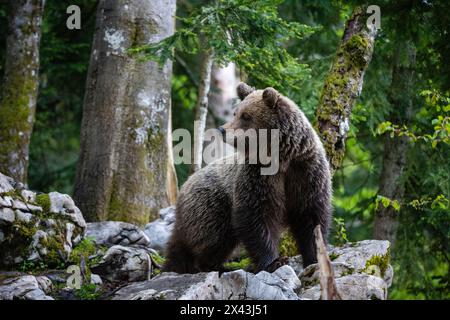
(88, 291)
(85, 249)
(240, 264)
(157, 258)
(259, 37)
(288, 246)
(43, 200)
(31, 266)
(249, 33)
(340, 232)
(382, 262)
(64, 56)
(386, 202)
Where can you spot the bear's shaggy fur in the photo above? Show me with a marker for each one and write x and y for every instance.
(223, 205)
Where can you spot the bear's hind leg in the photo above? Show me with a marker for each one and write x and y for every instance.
(302, 226)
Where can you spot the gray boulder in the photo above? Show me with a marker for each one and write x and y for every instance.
(361, 269)
(124, 264)
(110, 233)
(25, 288)
(235, 285)
(353, 287)
(159, 231)
(36, 227)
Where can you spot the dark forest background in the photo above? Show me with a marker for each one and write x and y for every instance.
(421, 253)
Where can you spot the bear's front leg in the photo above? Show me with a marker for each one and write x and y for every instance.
(260, 242)
(258, 208)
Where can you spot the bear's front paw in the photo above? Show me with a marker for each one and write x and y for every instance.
(277, 263)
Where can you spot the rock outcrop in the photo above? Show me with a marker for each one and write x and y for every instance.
(237, 285)
(50, 229)
(36, 227)
(124, 264)
(26, 288)
(110, 233)
(362, 272)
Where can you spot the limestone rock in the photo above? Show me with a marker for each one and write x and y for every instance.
(6, 184)
(358, 254)
(95, 279)
(354, 287)
(235, 285)
(25, 288)
(36, 227)
(122, 263)
(159, 231)
(361, 270)
(110, 233)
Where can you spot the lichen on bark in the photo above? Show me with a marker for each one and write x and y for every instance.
(343, 85)
(123, 167)
(20, 86)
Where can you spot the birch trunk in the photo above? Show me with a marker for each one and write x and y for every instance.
(20, 86)
(124, 160)
(224, 81)
(343, 84)
(201, 109)
(395, 149)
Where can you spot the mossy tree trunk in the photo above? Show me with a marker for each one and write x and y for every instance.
(343, 84)
(391, 184)
(124, 165)
(20, 86)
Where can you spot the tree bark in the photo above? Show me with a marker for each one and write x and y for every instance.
(224, 81)
(20, 86)
(395, 148)
(201, 109)
(343, 84)
(124, 159)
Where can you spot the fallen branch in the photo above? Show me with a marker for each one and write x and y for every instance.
(328, 289)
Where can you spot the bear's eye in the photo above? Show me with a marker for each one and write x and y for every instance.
(246, 117)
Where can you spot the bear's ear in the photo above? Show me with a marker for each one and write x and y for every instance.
(244, 90)
(270, 96)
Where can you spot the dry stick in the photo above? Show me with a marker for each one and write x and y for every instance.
(328, 287)
(201, 109)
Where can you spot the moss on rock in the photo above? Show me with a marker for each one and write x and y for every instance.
(43, 200)
(380, 261)
(288, 246)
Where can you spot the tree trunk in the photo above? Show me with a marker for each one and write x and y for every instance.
(395, 148)
(201, 109)
(123, 167)
(224, 81)
(20, 86)
(343, 84)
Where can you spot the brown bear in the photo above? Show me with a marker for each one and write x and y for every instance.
(223, 205)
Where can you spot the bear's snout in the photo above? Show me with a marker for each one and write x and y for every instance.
(221, 130)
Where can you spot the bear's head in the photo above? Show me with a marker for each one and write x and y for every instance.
(267, 109)
(257, 110)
